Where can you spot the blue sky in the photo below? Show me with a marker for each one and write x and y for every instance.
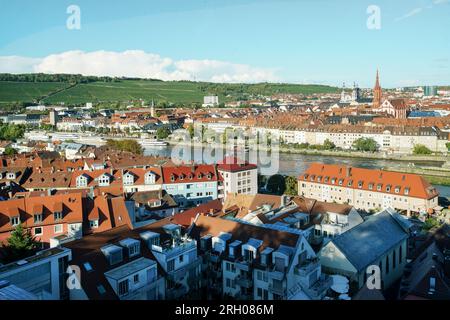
(301, 41)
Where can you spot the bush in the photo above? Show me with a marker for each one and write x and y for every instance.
(421, 149)
(365, 144)
(125, 145)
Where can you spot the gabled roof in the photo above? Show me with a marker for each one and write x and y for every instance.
(368, 241)
(70, 205)
(417, 186)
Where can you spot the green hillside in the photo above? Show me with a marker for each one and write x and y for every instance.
(27, 91)
(76, 89)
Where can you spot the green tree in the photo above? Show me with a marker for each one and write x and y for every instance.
(162, 133)
(9, 151)
(448, 146)
(365, 144)
(125, 145)
(276, 184)
(191, 130)
(328, 145)
(20, 244)
(291, 186)
(421, 149)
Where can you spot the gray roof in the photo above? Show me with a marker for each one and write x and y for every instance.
(11, 292)
(368, 241)
(130, 268)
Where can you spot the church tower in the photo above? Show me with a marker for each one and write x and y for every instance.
(377, 93)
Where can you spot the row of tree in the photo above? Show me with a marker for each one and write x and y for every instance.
(42, 77)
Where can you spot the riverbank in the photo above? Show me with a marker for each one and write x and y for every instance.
(441, 159)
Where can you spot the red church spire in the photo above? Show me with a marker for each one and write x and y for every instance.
(377, 93)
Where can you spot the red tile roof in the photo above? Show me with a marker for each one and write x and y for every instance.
(233, 164)
(188, 174)
(418, 186)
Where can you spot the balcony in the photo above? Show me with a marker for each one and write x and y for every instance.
(176, 249)
(179, 274)
(319, 289)
(277, 289)
(305, 267)
(142, 292)
(242, 265)
(276, 274)
(244, 282)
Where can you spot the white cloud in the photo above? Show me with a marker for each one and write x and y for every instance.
(410, 14)
(137, 63)
(16, 64)
(441, 1)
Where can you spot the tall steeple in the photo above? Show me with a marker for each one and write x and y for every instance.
(377, 93)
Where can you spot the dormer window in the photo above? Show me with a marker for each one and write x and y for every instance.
(199, 176)
(341, 181)
(326, 179)
(388, 188)
(248, 255)
(37, 218)
(15, 221)
(370, 186)
(350, 182)
(360, 184)
(172, 178)
(333, 180)
(313, 177)
(11, 175)
(182, 177)
(82, 181)
(93, 224)
(397, 189)
(406, 191)
(379, 186)
(209, 176)
(57, 215)
(190, 176)
(128, 179)
(104, 180)
(150, 178)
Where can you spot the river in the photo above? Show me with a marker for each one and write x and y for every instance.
(294, 164)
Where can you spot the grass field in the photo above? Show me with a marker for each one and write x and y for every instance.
(126, 90)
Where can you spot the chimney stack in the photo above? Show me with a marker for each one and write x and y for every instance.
(349, 171)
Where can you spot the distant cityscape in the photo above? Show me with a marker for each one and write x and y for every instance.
(95, 206)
